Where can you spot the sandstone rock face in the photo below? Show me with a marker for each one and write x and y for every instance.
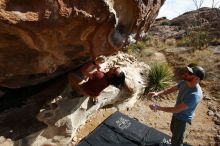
(43, 39)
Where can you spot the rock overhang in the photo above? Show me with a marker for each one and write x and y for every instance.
(43, 39)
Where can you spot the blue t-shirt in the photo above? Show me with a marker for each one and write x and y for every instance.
(189, 96)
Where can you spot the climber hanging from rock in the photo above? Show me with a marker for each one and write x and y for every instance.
(97, 82)
(92, 66)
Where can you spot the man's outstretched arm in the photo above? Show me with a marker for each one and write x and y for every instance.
(163, 92)
(179, 108)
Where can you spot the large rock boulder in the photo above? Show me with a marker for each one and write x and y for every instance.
(43, 39)
(66, 113)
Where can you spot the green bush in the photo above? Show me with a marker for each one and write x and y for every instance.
(160, 77)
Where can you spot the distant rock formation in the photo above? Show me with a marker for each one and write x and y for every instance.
(203, 19)
(43, 39)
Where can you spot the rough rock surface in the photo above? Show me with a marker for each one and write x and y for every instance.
(66, 113)
(43, 39)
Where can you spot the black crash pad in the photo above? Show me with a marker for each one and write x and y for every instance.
(121, 130)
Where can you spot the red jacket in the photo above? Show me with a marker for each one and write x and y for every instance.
(93, 87)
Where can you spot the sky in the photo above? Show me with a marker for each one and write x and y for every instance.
(174, 8)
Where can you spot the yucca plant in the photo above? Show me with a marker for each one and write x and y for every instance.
(160, 77)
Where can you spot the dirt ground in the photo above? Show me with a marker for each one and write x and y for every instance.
(202, 132)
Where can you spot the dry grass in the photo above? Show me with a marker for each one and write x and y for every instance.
(170, 42)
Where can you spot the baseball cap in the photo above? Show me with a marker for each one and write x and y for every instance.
(197, 70)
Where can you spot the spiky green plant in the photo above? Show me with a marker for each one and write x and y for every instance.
(160, 77)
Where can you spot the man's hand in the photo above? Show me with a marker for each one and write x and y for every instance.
(154, 107)
(153, 94)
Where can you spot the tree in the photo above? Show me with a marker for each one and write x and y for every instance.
(198, 3)
(216, 4)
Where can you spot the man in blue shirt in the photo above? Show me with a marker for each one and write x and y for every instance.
(190, 94)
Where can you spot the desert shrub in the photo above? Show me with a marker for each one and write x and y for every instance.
(131, 48)
(165, 23)
(184, 42)
(199, 39)
(153, 41)
(136, 47)
(195, 39)
(174, 24)
(149, 40)
(168, 23)
(147, 52)
(160, 77)
(170, 42)
(141, 45)
(202, 57)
